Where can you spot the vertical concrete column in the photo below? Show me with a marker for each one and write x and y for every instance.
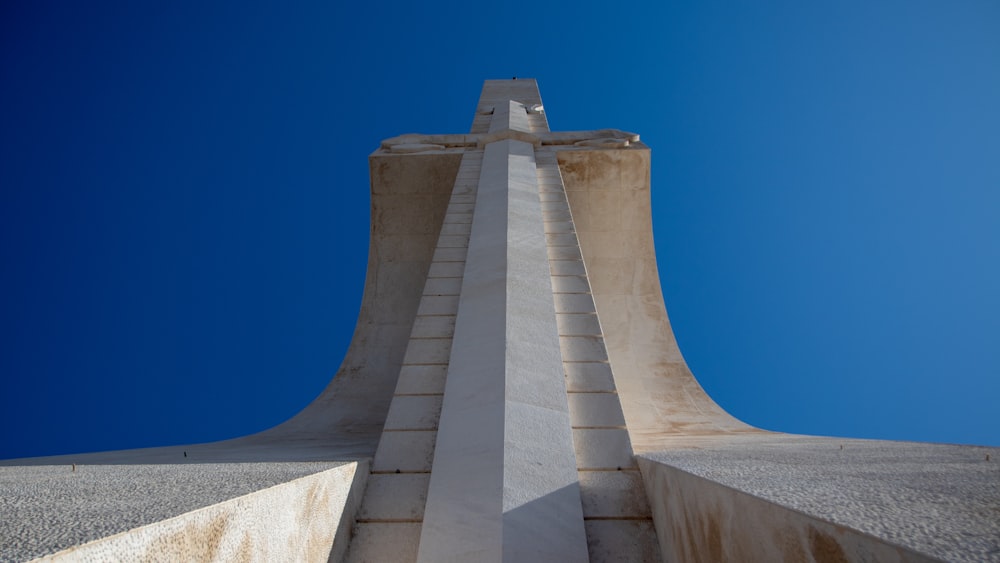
(504, 483)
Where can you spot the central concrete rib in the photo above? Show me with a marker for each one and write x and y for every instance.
(504, 481)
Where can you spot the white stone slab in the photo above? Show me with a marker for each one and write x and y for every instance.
(456, 229)
(589, 376)
(405, 451)
(453, 241)
(603, 449)
(570, 303)
(395, 496)
(443, 286)
(433, 327)
(438, 305)
(382, 541)
(414, 412)
(427, 351)
(564, 253)
(578, 324)
(505, 405)
(450, 254)
(570, 284)
(622, 541)
(446, 270)
(454, 217)
(582, 348)
(613, 494)
(567, 268)
(559, 227)
(561, 239)
(594, 410)
(421, 380)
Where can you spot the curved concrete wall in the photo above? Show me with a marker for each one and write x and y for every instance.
(609, 195)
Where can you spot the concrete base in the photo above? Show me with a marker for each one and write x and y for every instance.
(245, 512)
(783, 497)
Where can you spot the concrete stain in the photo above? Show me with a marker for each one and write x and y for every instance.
(825, 548)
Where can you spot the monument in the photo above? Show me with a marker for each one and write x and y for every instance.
(513, 392)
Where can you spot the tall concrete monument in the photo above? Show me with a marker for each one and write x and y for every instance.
(513, 392)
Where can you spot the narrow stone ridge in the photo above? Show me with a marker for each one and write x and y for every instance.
(389, 520)
(617, 518)
(504, 485)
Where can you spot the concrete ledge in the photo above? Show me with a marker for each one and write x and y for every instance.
(785, 497)
(305, 519)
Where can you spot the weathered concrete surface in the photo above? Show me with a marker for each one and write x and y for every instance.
(781, 497)
(206, 512)
(609, 192)
(504, 484)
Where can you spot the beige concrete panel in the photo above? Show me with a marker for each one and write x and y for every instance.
(421, 380)
(578, 324)
(454, 217)
(564, 253)
(443, 286)
(583, 348)
(561, 239)
(589, 377)
(636, 212)
(559, 227)
(456, 229)
(408, 451)
(615, 276)
(570, 284)
(622, 541)
(453, 241)
(438, 305)
(573, 303)
(560, 205)
(567, 267)
(605, 214)
(556, 216)
(446, 270)
(395, 496)
(613, 494)
(607, 244)
(603, 449)
(698, 519)
(450, 254)
(433, 327)
(427, 351)
(592, 410)
(418, 412)
(379, 542)
(413, 173)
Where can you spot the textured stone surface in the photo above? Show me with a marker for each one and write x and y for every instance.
(787, 494)
(275, 511)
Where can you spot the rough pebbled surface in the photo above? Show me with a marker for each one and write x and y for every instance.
(940, 500)
(49, 508)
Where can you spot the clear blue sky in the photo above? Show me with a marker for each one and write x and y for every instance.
(184, 199)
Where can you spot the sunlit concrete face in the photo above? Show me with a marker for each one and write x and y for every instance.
(514, 392)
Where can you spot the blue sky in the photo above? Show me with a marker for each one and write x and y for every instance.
(184, 199)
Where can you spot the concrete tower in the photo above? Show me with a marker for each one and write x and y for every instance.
(513, 392)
